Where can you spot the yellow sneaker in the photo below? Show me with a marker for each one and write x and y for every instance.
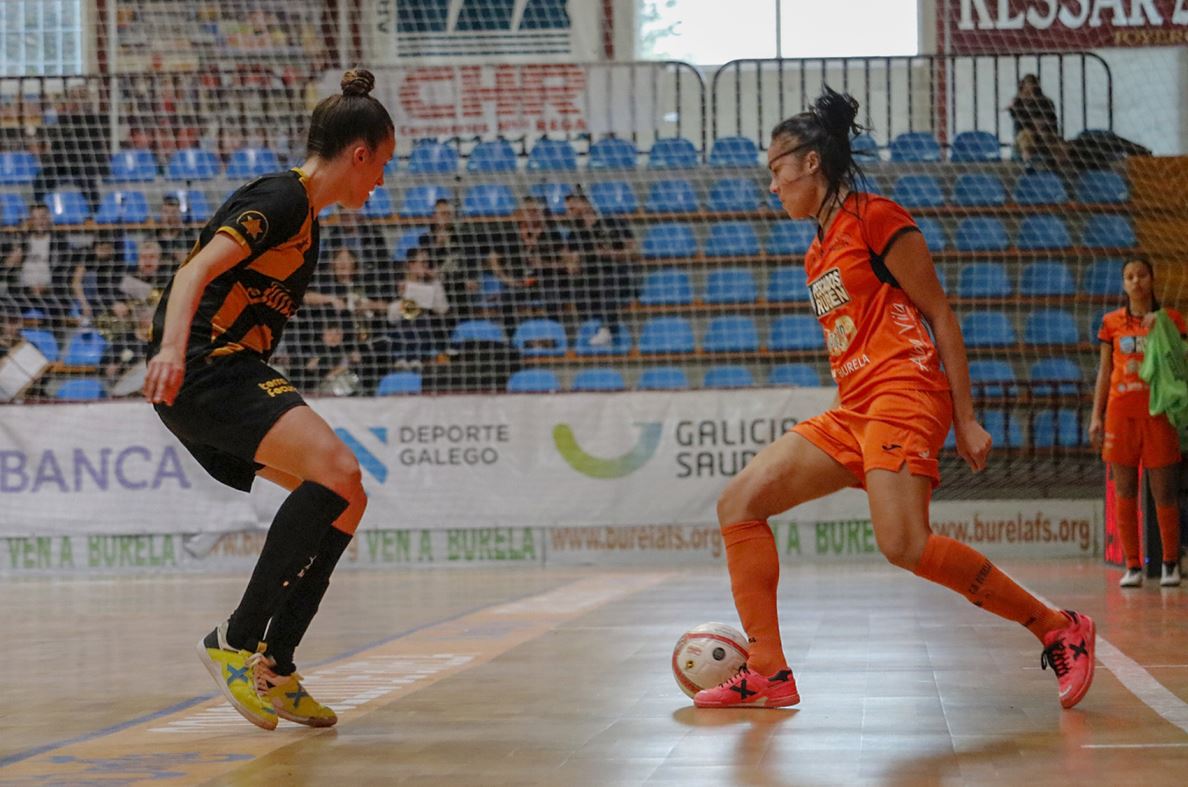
(237, 674)
(292, 701)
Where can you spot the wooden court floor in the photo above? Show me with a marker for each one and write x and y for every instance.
(561, 677)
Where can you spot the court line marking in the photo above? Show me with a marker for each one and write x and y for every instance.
(1134, 746)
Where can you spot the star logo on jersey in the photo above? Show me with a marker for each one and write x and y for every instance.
(253, 223)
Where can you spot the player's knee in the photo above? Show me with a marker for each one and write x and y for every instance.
(340, 471)
(901, 552)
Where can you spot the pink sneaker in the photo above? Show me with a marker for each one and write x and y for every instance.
(1069, 651)
(751, 690)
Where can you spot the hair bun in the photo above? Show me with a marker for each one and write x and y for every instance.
(357, 82)
(836, 113)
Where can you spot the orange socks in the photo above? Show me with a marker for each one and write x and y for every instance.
(754, 567)
(1169, 531)
(970, 573)
(1127, 511)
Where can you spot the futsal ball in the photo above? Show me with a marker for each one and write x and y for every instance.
(707, 655)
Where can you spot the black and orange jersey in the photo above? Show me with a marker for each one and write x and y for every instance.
(245, 309)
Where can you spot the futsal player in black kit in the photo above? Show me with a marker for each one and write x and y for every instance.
(208, 378)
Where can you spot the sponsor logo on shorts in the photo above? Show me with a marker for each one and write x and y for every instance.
(276, 387)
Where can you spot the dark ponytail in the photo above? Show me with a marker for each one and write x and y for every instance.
(339, 120)
(827, 128)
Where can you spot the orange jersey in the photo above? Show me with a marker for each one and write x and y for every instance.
(1127, 336)
(874, 333)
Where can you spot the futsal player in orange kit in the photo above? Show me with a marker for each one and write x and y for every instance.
(1131, 434)
(873, 286)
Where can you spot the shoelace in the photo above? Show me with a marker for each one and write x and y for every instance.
(741, 671)
(1055, 656)
(258, 663)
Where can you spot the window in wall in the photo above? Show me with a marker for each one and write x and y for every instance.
(41, 37)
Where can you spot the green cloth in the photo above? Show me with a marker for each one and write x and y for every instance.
(1165, 370)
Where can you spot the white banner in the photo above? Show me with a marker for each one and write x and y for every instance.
(428, 462)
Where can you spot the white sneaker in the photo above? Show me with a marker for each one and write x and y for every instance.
(1171, 575)
(601, 338)
(1133, 578)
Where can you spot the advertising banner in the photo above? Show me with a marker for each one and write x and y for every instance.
(984, 26)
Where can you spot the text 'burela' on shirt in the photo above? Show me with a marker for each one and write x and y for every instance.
(875, 335)
(246, 308)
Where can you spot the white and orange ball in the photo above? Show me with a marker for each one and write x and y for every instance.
(707, 655)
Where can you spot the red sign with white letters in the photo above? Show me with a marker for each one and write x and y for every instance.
(983, 26)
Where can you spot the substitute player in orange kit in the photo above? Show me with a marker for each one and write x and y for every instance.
(873, 286)
(1127, 434)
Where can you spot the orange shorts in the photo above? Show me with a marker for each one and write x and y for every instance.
(897, 427)
(1150, 439)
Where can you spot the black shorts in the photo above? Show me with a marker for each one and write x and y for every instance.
(223, 411)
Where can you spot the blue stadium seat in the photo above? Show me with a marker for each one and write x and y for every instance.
(195, 208)
(552, 195)
(974, 146)
(612, 153)
(620, 343)
(672, 153)
(44, 340)
(1095, 324)
(1109, 231)
(981, 233)
(728, 377)
(379, 204)
(973, 189)
(552, 155)
(1039, 188)
(1098, 186)
(68, 206)
(420, 201)
(496, 155)
(1062, 428)
(81, 389)
(13, 209)
(773, 202)
(490, 290)
(934, 233)
(791, 237)
(1048, 277)
(865, 149)
(1102, 277)
(430, 157)
(918, 191)
(730, 285)
(599, 380)
(803, 375)
(734, 194)
(1058, 375)
(397, 383)
(613, 197)
(253, 162)
(869, 184)
(665, 241)
(983, 280)
(987, 329)
(478, 331)
(663, 378)
(119, 207)
(795, 332)
(671, 196)
(667, 287)
(192, 164)
(533, 381)
(1005, 430)
(406, 242)
(734, 152)
(18, 168)
(1050, 326)
(540, 338)
(915, 146)
(488, 199)
(131, 165)
(787, 284)
(731, 239)
(666, 335)
(993, 378)
(731, 333)
(1043, 232)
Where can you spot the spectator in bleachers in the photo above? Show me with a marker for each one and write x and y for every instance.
(76, 146)
(96, 278)
(526, 260)
(148, 280)
(10, 327)
(343, 288)
(364, 238)
(602, 250)
(1037, 130)
(125, 355)
(38, 268)
(419, 321)
(172, 234)
(331, 361)
(454, 255)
